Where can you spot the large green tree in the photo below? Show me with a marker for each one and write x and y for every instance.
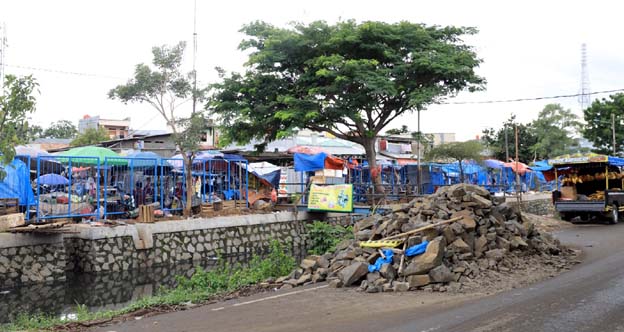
(494, 141)
(165, 87)
(349, 79)
(17, 101)
(91, 136)
(554, 130)
(457, 151)
(599, 125)
(61, 129)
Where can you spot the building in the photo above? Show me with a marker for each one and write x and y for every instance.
(117, 129)
(405, 149)
(157, 141)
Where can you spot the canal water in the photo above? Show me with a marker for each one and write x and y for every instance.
(97, 292)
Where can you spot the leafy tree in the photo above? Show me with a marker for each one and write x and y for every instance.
(16, 103)
(598, 128)
(457, 151)
(554, 129)
(397, 131)
(33, 132)
(348, 79)
(91, 136)
(494, 141)
(61, 129)
(165, 88)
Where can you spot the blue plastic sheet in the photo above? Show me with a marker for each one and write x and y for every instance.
(309, 163)
(16, 184)
(381, 261)
(417, 249)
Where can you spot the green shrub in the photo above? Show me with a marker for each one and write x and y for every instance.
(325, 237)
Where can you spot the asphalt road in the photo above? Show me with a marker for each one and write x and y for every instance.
(590, 297)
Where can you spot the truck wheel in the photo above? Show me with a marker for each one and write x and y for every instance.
(615, 214)
(566, 216)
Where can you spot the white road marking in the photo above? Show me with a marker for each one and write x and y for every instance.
(273, 297)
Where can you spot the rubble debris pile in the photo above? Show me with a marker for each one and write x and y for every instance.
(459, 238)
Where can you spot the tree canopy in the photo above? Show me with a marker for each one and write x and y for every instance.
(457, 151)
(165, 87)
(17, 101)
(554, 130)
(348, 79)
(61, 129)
(494, 141)
(91, 136)
(598, 127)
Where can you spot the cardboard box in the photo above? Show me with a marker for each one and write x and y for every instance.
(569, 192)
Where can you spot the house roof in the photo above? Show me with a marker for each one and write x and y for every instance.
(335, 146)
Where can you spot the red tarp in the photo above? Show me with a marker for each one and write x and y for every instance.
(334, 163)
(522, 168)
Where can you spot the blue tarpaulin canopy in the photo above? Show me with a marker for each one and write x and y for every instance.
(233, 157)
(541, 166)
(309, 162)
(16, 184)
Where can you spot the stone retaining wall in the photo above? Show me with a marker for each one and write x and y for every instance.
(26, 259)
(541, 207)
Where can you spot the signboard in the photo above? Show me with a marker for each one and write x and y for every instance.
(579, 159)
(332, 198)
(283, 188)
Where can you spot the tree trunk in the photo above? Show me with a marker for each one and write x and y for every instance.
(371, 156)
(190, 189)
(461, 172)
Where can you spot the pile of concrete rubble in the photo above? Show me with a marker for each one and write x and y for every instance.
(470, 237)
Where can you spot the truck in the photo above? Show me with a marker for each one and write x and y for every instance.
(589, 187)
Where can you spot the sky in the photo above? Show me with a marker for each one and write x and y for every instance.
(79, 50)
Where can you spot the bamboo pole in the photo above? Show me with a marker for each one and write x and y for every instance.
(418, 230)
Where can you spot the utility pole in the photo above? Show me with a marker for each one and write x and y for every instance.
(194, 56)
(506, 145)
(518, 186)
(613, 130)
(418, 181)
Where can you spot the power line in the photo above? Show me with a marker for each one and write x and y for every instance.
(63, 72)
(528, 99)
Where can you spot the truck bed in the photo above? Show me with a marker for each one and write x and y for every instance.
(580, 206)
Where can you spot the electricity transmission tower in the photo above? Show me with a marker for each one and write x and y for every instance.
(584, 97)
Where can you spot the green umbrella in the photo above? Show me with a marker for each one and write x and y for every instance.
(91, 153)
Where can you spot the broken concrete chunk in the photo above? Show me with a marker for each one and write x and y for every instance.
(353, 273)
(428, 260)
(418, 280)
(441, 274)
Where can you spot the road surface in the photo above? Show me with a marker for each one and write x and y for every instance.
(590, 297)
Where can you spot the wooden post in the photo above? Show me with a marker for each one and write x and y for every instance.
(556, 178)
(607, 177)
(518, 186)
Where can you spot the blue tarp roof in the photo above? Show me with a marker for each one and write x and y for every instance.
(233, 157)
(308, 163)
(616, 161)
(16, 184)
(541, 166)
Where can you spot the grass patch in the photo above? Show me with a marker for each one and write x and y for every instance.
(203, 285)
(324, 237)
